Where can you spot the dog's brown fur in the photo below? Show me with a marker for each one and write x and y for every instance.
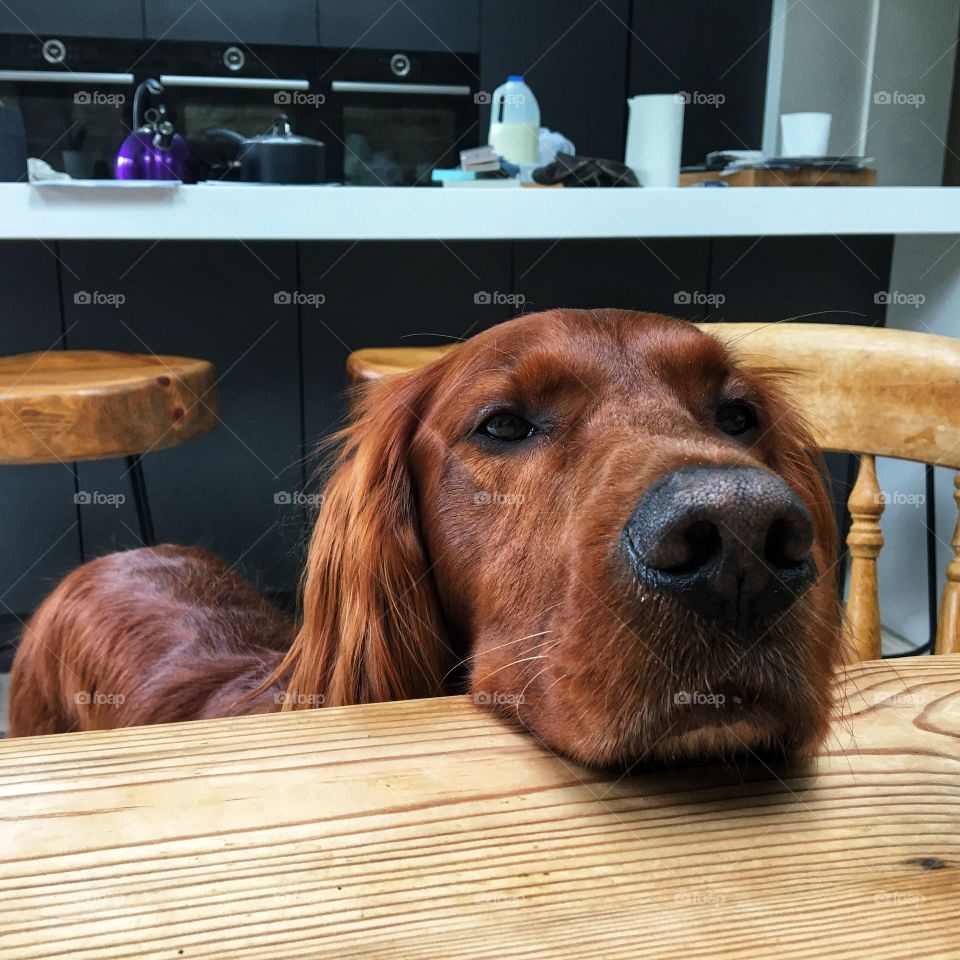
(431, 548)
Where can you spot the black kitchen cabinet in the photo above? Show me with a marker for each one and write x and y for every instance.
(574, 58)
(38, 516)
(232, 491)
(233, 21)
(382, 294)
(414, 25)
(666, 276)
(714, 52)
(120, 19)
(824, 279)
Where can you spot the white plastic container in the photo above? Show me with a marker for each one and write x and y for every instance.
(515, 122)
(654, 138)
(804, 134)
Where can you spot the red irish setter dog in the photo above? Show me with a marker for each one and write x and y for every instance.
(596, 521)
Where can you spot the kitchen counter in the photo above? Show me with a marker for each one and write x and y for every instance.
(252, 212)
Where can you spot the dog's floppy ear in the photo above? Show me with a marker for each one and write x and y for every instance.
(372, 628)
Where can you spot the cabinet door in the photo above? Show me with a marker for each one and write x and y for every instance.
(231, 490)
(574, 58)
(665, 276)
(714, 52)
(813, 279)
(38, 516)
(391, 295)
(233, 21)
(414, 25)
(67, 18)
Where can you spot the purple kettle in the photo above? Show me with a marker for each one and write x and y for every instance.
(154, 151)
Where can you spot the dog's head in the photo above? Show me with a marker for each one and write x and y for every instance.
(621, 533)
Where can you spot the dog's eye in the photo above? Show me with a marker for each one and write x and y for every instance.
(507, 427)
(736, 418)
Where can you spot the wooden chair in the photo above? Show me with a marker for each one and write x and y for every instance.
(868, 391)
(64, 406)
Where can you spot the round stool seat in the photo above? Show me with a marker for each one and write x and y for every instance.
(92, 405)
(372, 363)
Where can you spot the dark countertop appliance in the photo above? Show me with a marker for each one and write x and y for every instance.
(394, 116)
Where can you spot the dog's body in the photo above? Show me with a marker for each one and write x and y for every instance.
(622, 534)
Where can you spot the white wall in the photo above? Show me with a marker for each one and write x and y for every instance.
(914, 63)
(884, 69)
(826, 52)
(913, 70)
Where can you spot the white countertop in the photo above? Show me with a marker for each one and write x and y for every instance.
(256, 212)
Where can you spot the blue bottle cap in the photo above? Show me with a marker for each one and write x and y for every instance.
(515, 78)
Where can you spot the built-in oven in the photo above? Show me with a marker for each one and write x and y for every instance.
(393, 117)
(210, 86)
(65, 100)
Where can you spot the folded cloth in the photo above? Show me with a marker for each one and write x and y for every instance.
(585, 172)
(39, 171)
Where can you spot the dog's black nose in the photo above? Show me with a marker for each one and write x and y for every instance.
(731, 543)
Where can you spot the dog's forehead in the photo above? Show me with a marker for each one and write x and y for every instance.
(597, 349)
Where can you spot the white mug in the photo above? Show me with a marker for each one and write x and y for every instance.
(654, 138)
(804, 134)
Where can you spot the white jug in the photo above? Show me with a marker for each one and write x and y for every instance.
(515, 122)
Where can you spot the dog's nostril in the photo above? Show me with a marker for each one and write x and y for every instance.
(687, 547)
(788, 542)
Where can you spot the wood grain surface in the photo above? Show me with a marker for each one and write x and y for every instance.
(66, 405)
(432, 829)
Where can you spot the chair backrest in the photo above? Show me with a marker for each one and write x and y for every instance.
(872, 392)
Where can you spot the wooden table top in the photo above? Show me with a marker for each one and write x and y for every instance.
(432, 829)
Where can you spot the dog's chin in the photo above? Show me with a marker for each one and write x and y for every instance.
(724, 742)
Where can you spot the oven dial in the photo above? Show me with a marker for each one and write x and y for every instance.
(234, 58)
(54, 51)
(400, 64)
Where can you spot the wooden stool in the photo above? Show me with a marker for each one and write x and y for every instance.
(69, 405)
(871, 392)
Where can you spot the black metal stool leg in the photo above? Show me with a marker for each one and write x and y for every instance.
(141, 501)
